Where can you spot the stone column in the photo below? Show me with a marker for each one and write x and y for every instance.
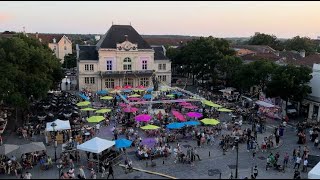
(310, 113)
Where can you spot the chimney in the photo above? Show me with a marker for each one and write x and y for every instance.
(37, 35)
(54, 40)
(302, 53)
(164, 50)
(126, 36)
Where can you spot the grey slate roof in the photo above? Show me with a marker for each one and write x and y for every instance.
(158, 53)
(116, 34)
(88, 53)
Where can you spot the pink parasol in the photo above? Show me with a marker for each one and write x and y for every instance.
(185, 104)
(178, 115)
(122, 104)
(134, 99)
(194, 114)
(143, 117)
(191, 107)
(130, 109)
(127, 87)
(117, 87)
(140, 87)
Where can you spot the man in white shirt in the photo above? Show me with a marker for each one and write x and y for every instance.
(98, 127)
(305, 165)
(28, 175)
(81, 173)
(298, 162)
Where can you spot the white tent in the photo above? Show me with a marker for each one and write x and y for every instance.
(61, 125)
(314, 173)
(264, 104)
(96, 145)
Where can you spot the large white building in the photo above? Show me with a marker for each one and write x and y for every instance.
(313, 100)
(121, 57)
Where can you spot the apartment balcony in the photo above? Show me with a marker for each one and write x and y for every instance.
(142, 73)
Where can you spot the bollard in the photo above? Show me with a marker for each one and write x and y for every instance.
(162, 161)
(146, 163)
(209, 153)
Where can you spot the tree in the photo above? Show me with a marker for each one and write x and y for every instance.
(257, 73)
(201, 56)
(266, 39)
(290, 82)
(70, 61)
(229, 65)
(301, 43)
(28, 68)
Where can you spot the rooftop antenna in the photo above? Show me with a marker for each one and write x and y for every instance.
(24, 29)
(130, 23)
(112, 22)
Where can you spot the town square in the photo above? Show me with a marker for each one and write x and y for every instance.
(128, 104)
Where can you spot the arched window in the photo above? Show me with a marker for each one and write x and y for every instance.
(127, 64)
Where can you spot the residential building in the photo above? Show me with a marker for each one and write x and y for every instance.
(312, 102)
(121, 57)
(162, 65)
(60, 44)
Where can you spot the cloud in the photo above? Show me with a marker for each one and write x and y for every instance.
(5, 16)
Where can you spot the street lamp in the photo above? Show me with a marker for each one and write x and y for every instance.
(237, 160)
(53, 125)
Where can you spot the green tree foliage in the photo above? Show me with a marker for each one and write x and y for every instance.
(256, 73)
(301, 43)
(229, 66)
(70, 61)
(266, 39)
(290, 82)
(27, 68)
(201, 56)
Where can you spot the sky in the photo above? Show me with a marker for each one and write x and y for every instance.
(198, 18)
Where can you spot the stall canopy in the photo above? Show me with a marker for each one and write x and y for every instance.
(96, 145)
(32, 147)
(61, 125)
(315, 172)
(8, 148)
(264, 104)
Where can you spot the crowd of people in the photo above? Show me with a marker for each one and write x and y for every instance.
(227, 133)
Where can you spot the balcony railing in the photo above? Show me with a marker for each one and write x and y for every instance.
(127, 73)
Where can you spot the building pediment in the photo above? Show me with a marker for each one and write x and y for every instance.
(127, 46)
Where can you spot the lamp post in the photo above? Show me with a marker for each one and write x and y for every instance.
(237, 160)
(53, 125)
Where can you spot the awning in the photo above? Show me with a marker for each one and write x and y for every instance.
(264, 104)
(96, 145)
(61, 125)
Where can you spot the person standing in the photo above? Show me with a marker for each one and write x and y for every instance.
(110, 171)
(305, 165)
(28, 175)
(297, 163)
(296, 175)
(255, 172)
(285, 160)
(316, 142)
(81, 173)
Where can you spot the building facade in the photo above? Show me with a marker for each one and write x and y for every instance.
(313, 100)
(121, 57)
(60, 44)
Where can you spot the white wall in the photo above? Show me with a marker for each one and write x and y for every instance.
(315, 81)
